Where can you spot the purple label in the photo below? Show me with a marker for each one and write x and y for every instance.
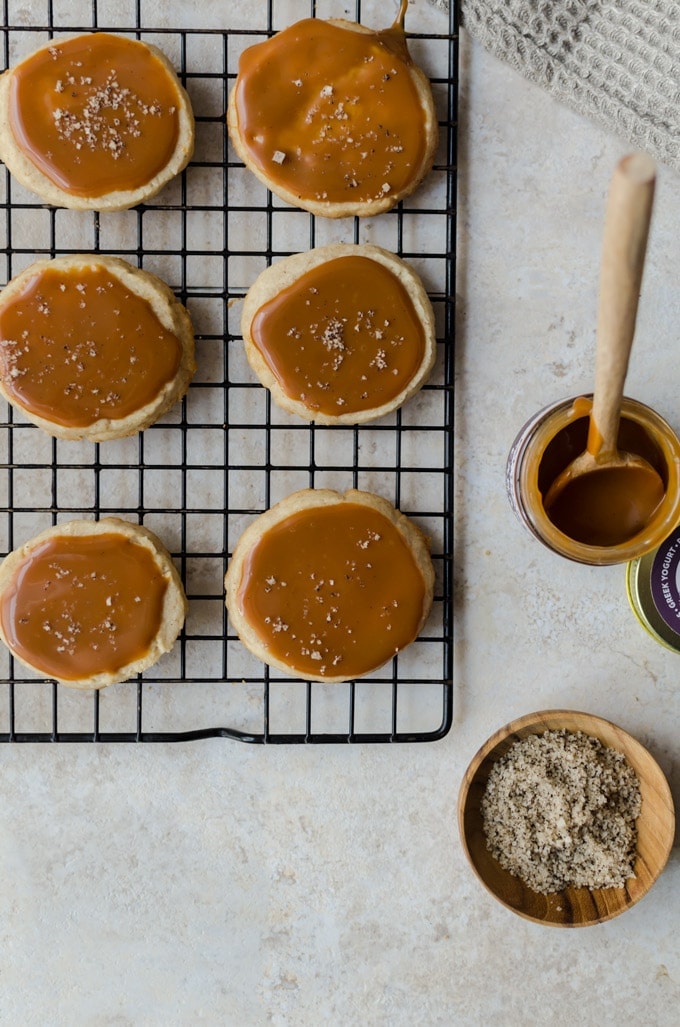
(665, 581)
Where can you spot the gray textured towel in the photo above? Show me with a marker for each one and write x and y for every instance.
(616, 61)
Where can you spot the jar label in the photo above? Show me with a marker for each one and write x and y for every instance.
(665, 581)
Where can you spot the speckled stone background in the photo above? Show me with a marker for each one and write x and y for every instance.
(220, 884)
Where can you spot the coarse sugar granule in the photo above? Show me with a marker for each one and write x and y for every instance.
(559, 810)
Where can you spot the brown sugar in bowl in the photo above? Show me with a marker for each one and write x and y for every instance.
(572, 907)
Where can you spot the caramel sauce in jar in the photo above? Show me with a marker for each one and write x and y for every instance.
(612, 532)
(95, 114)
(79, 606)
(333, 591)
(78, 346)
(343, 338)
(607, 506)
(331, 114)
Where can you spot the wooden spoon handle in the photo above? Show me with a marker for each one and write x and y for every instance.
(626, 227)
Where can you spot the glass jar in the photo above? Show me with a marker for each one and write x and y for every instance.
(554, 437)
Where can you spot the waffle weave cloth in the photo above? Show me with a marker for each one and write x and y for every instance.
(615, 61)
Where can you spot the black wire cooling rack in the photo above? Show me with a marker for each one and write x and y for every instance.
(226, 453)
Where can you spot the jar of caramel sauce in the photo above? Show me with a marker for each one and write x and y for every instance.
(554, 437)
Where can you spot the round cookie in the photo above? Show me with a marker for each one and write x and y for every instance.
(329, 586)
(95, 122)
(90, 603)
(92, 347)
(341, 334)
(334, 117)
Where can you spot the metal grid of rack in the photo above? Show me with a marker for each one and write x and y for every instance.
(226, 453)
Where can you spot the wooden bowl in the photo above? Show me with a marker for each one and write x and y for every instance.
(573, 907)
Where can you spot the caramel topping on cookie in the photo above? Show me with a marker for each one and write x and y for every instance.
(333, 590)
(77, 346)
(80, 606)
(96, 114)
(344, 337)
(331, 114)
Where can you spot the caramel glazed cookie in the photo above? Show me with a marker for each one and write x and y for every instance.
(334, 117)
(92, 347)
(341, 334)
(90, 603)
(95, 122)
(329, 586)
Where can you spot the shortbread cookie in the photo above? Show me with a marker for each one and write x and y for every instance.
(95, 122)
(334, 117)
(89, 603)
(342, 334)
(329, 587)
(92, 347)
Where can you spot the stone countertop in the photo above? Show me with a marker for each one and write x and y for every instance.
(218, 883)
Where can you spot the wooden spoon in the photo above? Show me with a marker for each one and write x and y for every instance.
(605, 496)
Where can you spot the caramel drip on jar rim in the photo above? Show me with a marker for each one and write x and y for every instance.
(79, 606)
(331, 114)
(333, 591)
(77, 346)
(96, 114)
(344, 337)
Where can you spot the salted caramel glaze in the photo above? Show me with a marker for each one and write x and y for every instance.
(77, 346)
(333, 591)
(331, 114)
(343, 338)
(95, 114)
(79, 606)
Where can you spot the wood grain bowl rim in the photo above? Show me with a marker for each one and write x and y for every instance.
(573, 907)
